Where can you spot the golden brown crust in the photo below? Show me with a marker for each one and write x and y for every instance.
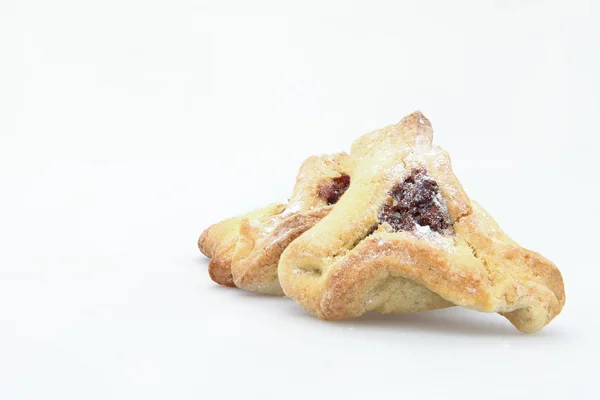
(339, 269)
(218, 242)
(219, 269)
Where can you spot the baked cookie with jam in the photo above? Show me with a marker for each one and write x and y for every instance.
(406, 237)
(245, 250)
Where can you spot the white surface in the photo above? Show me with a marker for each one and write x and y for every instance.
(126, 127)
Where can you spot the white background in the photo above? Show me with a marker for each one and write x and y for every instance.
(127, 127)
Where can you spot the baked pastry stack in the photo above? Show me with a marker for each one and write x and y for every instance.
(389, 229)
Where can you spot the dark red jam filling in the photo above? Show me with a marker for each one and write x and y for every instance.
(415, 201)
(333, 190)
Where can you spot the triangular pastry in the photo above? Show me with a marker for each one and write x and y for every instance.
(406, 237)
(263, 234)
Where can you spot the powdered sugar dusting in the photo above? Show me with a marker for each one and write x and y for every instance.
(293, 206)
(434, 238)
(400, 254)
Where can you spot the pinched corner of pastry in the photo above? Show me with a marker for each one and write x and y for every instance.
(321, 182)
(213, 237)
(255, 260)
(526, 287)
(218, 242)
(406, 237)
